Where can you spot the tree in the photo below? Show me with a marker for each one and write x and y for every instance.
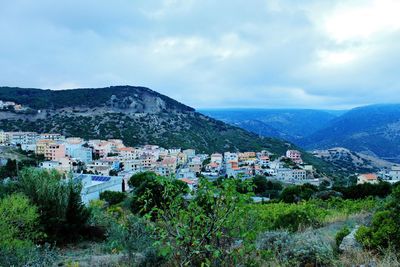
(296, 193)
(58, 201)
(260, 184)
(198, 231)
(149, 190)
(76, 215)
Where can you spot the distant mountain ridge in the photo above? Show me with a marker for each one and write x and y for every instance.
(373, 130)
(288, 124)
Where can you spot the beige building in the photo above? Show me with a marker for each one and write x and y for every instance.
(41, 146)
(370, 178)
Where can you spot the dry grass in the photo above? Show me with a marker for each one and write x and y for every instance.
(366, 258)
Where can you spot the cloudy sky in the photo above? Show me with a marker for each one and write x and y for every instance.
(209, 53)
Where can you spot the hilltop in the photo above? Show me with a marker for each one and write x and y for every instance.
(137, 115)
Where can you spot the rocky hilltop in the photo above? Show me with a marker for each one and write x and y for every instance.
(137, 115)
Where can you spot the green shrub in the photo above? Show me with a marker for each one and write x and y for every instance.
(341, 234)
(134, 238)
(298, 249)
(112, 197)
(297, 193)
(149, 190)
(293, 220)
(63, 217)
(382, 190)
(384, 231)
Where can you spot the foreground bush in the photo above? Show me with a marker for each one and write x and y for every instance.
(384, 231)
(134, 237)
(19, 220)
(300, 249)
(198, 232)
(63, 217)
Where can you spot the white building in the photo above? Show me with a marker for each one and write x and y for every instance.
(93, 185)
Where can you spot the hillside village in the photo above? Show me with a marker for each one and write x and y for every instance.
(108, 164)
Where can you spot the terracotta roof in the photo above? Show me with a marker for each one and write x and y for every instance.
(186, 180)
(369, 176)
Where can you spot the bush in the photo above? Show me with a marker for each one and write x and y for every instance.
(382, 190)
(149, 190)
(38, 256)
(304, 249)
(341, 234)
(327, 194)
(63, 217)
(112, 197)
(296, 193)
(134, 238)
(293, 220)
(19, 220)
(384, 231)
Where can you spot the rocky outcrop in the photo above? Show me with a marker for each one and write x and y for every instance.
(349, 242)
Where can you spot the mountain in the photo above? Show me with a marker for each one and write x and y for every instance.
(137, 115)
(348, 161)
(372, 130)
(288, 124)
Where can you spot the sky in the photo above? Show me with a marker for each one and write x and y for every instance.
(209, 54)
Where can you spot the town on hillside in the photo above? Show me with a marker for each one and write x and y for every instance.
(107, 165)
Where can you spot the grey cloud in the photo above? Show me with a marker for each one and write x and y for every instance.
(203, 53)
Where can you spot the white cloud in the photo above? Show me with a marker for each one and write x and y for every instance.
(209, 53)
(362, 20)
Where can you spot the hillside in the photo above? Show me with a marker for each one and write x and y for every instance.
(135, 114)
(373, 130)
(288, 124)
(349, 161)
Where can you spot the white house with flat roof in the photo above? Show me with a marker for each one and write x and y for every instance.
(93, 185)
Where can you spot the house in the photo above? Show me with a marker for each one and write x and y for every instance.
(370, 178)
(295, 156)
(55, 152)
(394, 173)
(228, 156)
(127, 153)
(246, 155)
(63, 165)
(170, 163)
(19, 138)
(185, 173)
(216, 158)
(192, 184)
(290, 175)
(54, 137)
(195, 164)
(74, 148)
(42, 144)
(134, 166)
(93, 185)
(189, 152)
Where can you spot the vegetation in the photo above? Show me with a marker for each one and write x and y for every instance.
(162, 223)
(384, 231)
(63, 216)
(112, 197)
